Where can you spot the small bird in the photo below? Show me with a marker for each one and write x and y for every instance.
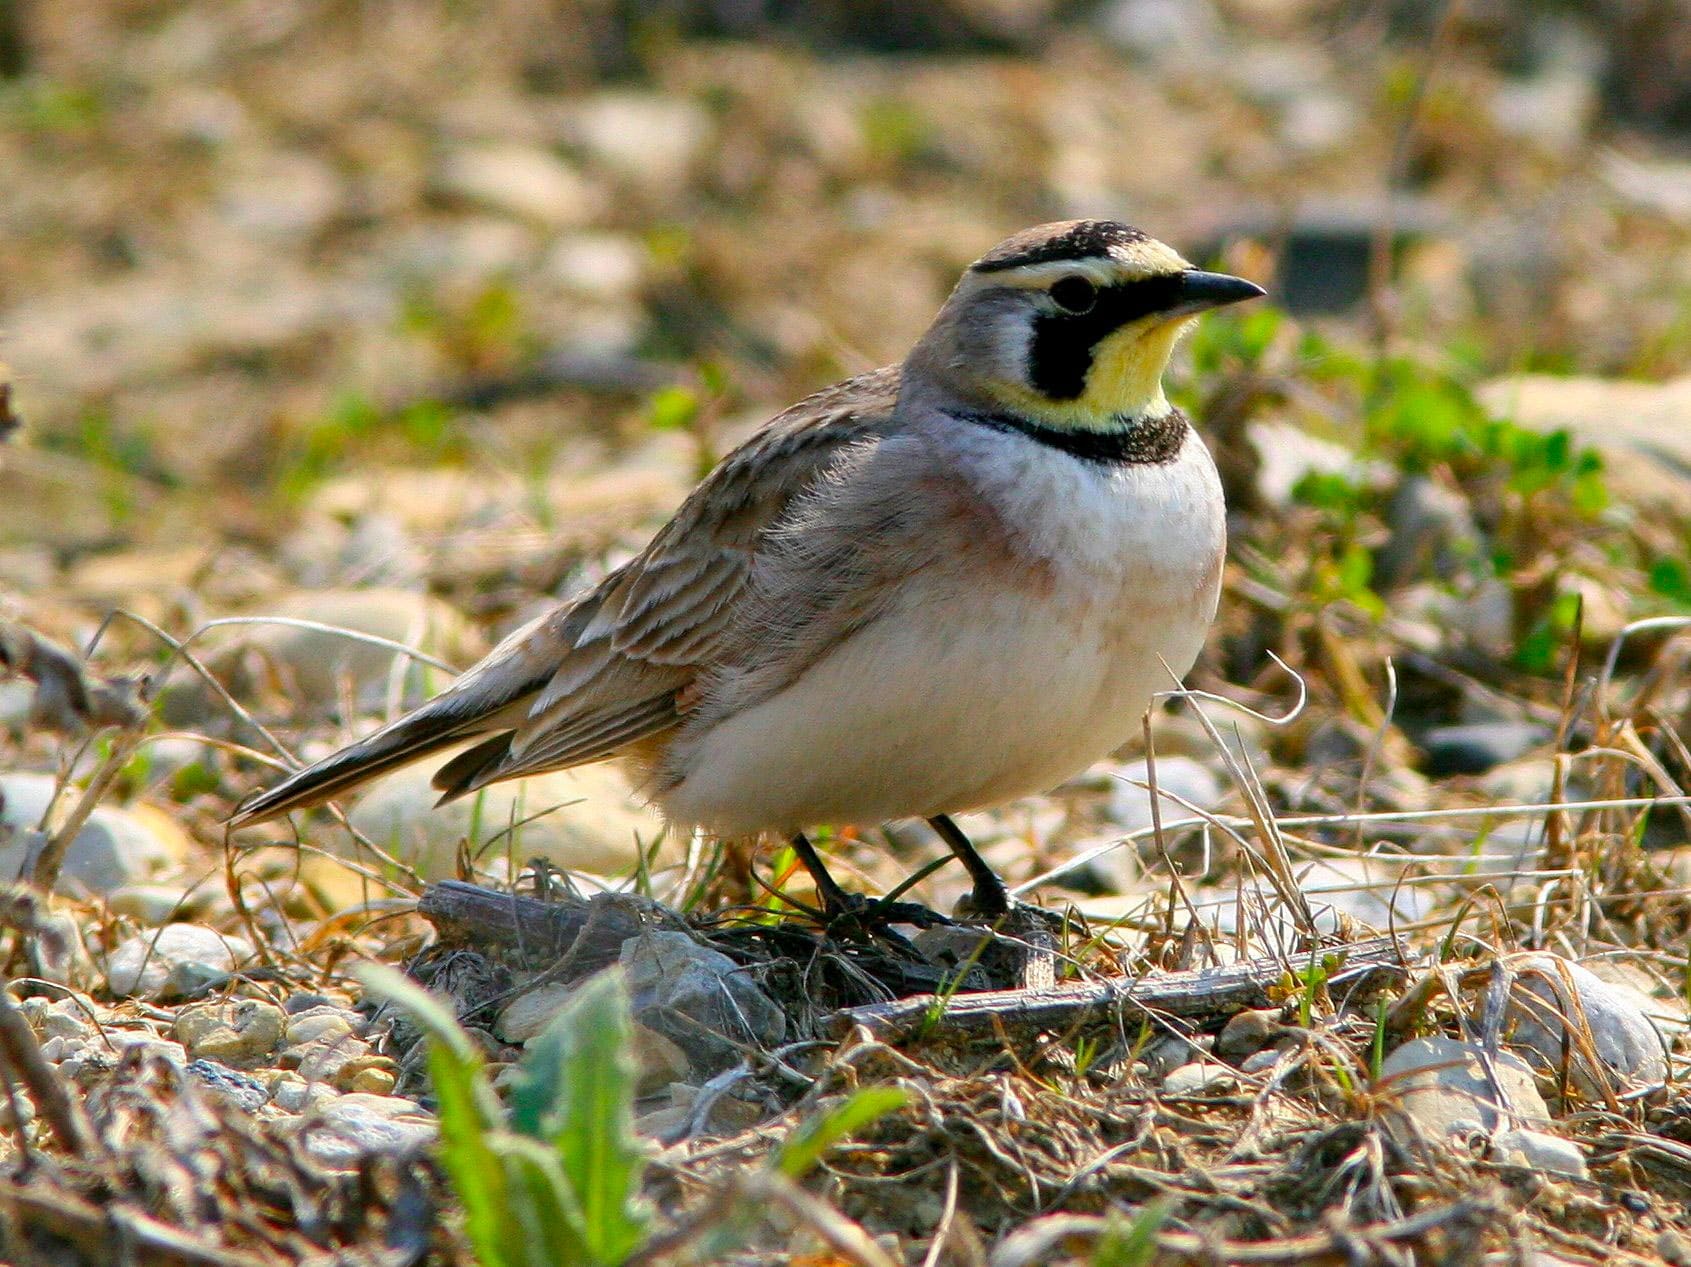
(927, 589)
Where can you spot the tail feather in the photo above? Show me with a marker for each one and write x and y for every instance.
(393, 746)
(463, 774)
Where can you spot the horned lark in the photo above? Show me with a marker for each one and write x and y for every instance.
(924, 590)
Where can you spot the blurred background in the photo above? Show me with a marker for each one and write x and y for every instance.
(412, 315)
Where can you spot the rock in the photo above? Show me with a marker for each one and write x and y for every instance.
(603, 266)
(334, 1063)
(149, 1045)
(1479, 746)
(1551, 110)
(1326, 251)
(519, 180)
(238, 1088)
(1177, 777)
(1551, 995)
(342, 1130)
(115, 847)
(1289, 453)
(598, 827)
(315, 662)
(334, 886)
(57, 952)
(1364, 889)
(1483, 617)
(1249, 1031)
(1262, 1062)
(280, 195)
(662, 1063)
(644, 138)
(1129, 808)
(366, 1072)
(1155, 30)
(699, 998)
(951, 946)
(1432, 532)
(1539, 1150)
(156, 904)
(238, 1034)
(176, 961)
(61, 1020)
(320, 1025)
(1658, 185)
(372, 1079)
(293, 1094)
(376, 549)
(1674, 1248)
(531, 1012)
(1201, 1077)
(1443, 1092)
(1526, 782)
(1643, 430)
(1319, 121)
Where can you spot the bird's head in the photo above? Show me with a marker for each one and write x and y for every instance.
(1071, 324)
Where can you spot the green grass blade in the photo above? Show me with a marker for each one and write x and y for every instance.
(815, 1137)
(1135, 1244)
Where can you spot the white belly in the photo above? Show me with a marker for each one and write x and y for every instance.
(970, 692)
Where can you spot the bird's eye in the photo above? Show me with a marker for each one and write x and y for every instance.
(1074, 294)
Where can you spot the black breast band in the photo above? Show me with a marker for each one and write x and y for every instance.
(1132, 442)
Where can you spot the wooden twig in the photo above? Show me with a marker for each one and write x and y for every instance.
(98, 1231)
(467, 914)
(1196, 994)
(22, 1055)
(67, 700)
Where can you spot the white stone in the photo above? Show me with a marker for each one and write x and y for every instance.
(642, 137)
(173, 957)
(317, 1026)
(605, 266)
(1200, 1078)
(1178, 779)
(1444, 1092)
(345, 1128)
(154, 904)
(1643, 430)
(1289, 453)
(316, 662)
(598, 826)
(115, 846)
(1551, 996)
(532, 1011)
(521, 180)
(1539, 1151)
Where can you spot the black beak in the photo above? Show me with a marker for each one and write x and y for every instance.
(1199, 291)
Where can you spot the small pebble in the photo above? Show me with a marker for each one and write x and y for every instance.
(318, 1027)
(1200, 1078)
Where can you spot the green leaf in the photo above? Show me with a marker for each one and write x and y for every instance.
(1134, 1245)
(1671, 578)
(575, 1088)
(546, 1219)
(673, 408)
(807, 1144)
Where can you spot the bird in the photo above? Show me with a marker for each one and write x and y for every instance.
(928, 589)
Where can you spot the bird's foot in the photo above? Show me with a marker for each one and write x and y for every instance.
(851, 916)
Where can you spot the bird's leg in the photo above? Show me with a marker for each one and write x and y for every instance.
(990, 898)
(835, 900)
